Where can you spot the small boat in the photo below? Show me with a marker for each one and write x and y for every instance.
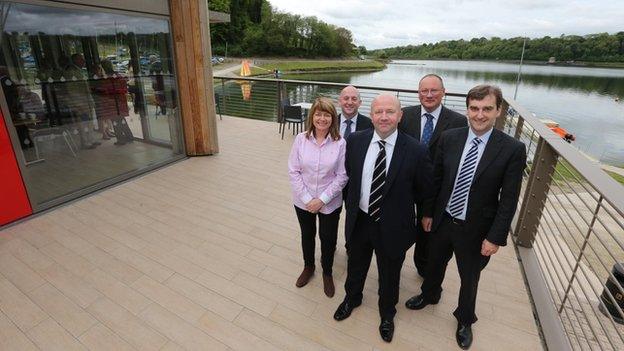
(554, 126)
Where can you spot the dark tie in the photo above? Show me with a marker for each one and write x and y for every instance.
(348, 128)
(428, 131)
(464, 180)
(379, 179)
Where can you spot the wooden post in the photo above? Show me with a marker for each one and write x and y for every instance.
(191, 40)
(502, 118)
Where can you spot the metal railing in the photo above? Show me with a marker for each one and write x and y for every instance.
(569, 227)
(260, 98)
(570, 224)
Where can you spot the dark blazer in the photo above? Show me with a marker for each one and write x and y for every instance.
(495, 187)
(408, 181)
(363, 122)
(449, 119)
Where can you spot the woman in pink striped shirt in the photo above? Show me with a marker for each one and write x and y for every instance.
(317, 175)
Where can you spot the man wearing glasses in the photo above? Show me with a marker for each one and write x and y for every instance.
(426, 122)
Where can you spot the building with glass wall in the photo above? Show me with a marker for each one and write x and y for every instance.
(89, 97)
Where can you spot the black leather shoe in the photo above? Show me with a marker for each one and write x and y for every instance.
(345, 309)
(418, 302)
(386, 330)
(464, 336)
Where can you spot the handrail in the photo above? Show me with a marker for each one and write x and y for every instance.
(327, 84)
(611, 190)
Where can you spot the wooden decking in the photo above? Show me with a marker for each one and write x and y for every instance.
(204, 255)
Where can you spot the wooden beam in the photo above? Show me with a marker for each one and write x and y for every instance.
(191, 36)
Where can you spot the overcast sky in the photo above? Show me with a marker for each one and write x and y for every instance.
(387, 23)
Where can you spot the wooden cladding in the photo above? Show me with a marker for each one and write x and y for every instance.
(191, 40)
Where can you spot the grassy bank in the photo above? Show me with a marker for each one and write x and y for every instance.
(618, 177)
(296, 66)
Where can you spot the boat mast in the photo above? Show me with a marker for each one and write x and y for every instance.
(520, 69)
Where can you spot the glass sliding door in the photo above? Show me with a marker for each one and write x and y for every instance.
(91, 95)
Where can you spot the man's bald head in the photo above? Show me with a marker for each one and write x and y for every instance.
(349, 101)
(386, 98)
(386, 114)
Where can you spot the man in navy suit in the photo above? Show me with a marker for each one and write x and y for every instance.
(477, 177)
(389, 171)
(426, 122)
(350, 119)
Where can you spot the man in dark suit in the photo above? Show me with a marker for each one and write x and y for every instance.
(388, 172)
(477, 178)
(426, 122)
(350, 119)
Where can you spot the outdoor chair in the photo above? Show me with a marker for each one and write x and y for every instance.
(292, 115)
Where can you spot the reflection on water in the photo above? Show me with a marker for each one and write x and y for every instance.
(582, 100)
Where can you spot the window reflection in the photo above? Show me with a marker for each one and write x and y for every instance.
(91, 95)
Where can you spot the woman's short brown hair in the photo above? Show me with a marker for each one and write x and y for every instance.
(323, 104)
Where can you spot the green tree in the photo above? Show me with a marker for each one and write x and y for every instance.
(256, 29)
(601, 47)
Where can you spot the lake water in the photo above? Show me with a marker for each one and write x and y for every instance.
(582, 100)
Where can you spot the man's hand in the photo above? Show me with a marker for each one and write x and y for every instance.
(426, 223)
(487, 248)
(314, 205)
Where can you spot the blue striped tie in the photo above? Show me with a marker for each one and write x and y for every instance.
(464, 180)
(428, 130)
(348, 128)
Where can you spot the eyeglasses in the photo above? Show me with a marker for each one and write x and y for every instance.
(426, 92)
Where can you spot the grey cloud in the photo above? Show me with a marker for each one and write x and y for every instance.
(405, 22)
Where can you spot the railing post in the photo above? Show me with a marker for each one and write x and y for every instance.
(535, 194)
(502, 118)
(519, 126)
(280, 110)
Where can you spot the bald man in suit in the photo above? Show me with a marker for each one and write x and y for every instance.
(351, 120)
(389, 172)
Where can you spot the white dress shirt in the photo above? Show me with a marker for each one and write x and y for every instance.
(369, 165)
(343, 125)
(436, 116)
(480, 148)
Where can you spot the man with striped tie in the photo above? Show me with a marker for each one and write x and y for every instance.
(477, 178)
(389, 172)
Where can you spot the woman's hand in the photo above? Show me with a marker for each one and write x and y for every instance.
(314, 205)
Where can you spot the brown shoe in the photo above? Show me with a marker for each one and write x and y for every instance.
(328, 285)
(305, 276)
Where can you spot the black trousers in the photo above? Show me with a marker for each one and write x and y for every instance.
(421, 248)
(448, 239)
(360, 254)
(328, 232)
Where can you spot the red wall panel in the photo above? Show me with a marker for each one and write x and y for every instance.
(14, 202)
